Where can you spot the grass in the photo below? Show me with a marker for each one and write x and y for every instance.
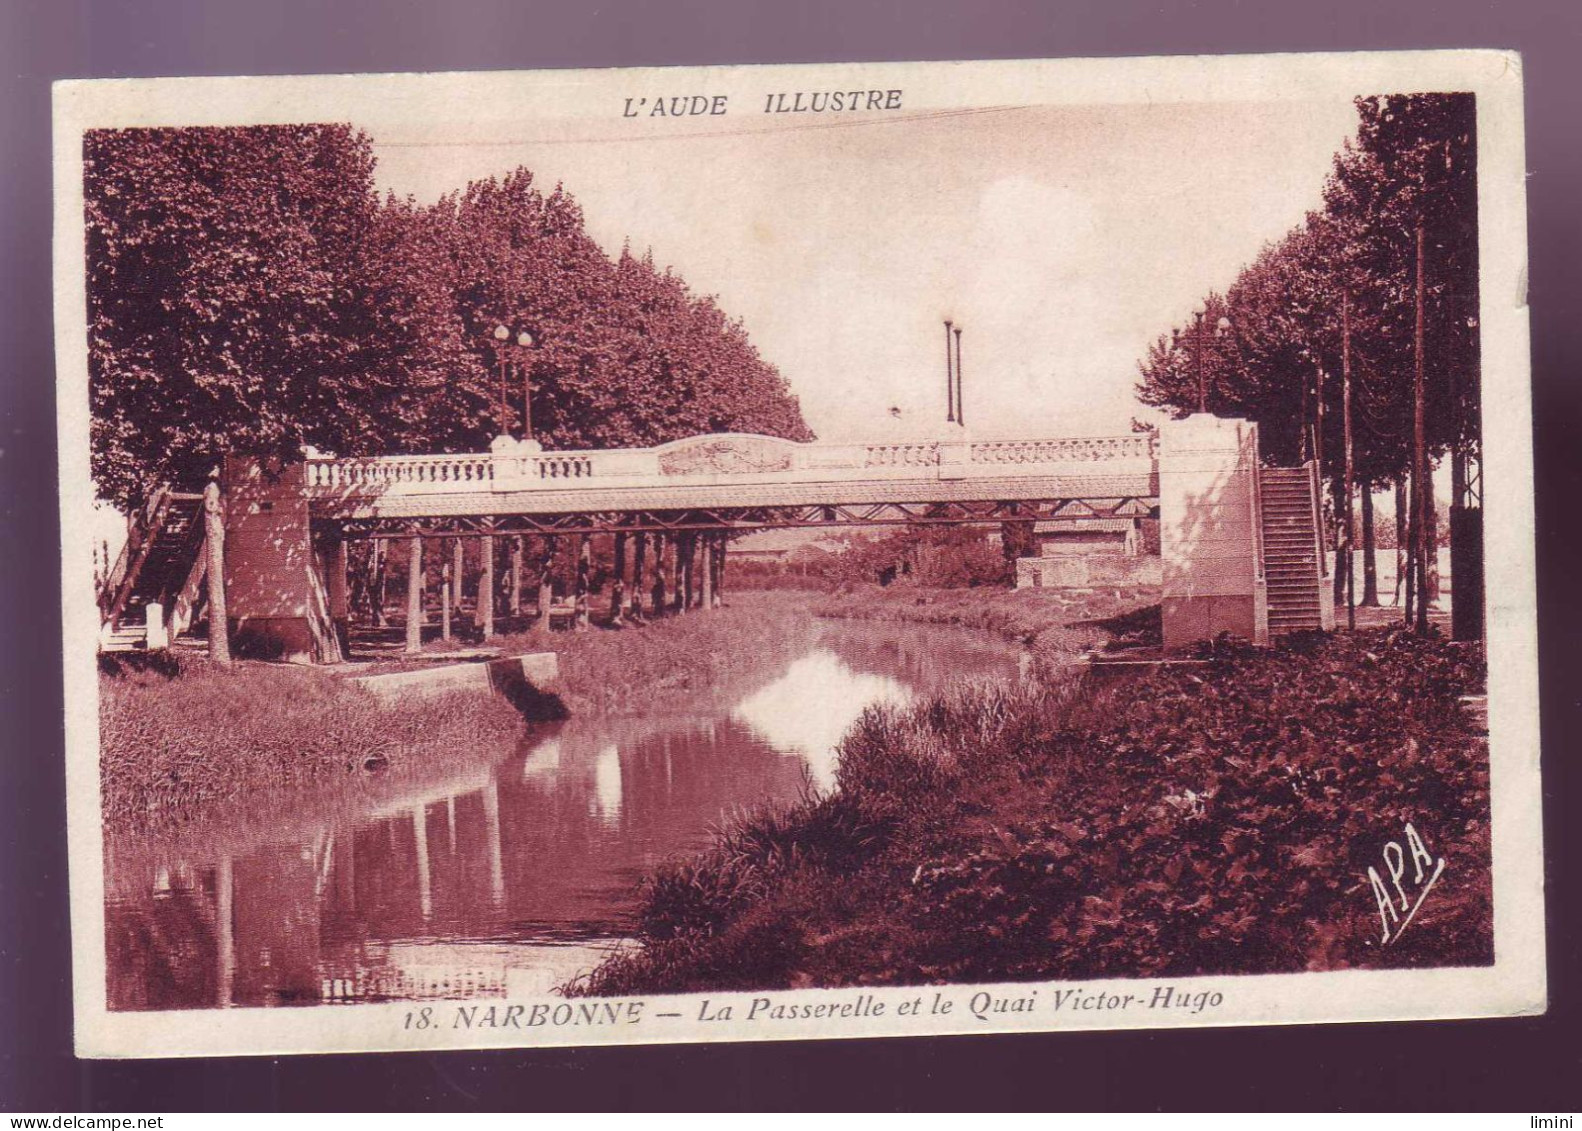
(179, 736)
(672, 663)
(1054, 625)
(1215, 821)
(183, 735)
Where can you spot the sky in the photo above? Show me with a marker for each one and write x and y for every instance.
(1062, 239)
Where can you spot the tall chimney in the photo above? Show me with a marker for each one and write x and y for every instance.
(950, 383)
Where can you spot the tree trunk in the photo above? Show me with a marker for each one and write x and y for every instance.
(1431, 542)
(214, 546)
(1370, 561)
(1348, 519)
(414, 596)
(485, 610)
(1339, 580)
(1400, 541)
(618, 583)
(1412, 562)
(1422, 489)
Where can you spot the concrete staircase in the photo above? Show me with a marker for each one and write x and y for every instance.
(155, 567)
(1290, 551)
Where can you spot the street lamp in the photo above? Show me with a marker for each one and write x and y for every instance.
(524, 342)
(501, 334)
(1221, 328)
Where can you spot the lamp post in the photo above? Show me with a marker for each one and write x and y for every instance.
(501, 334)
(524, 342)
(503, 348)
(1221, 328)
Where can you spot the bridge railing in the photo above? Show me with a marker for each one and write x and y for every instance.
(716, 458)
(384, 472)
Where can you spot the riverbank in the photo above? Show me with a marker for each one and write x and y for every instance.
(658, 666)
(1215, 821)
(1054, 625)
(179, 735)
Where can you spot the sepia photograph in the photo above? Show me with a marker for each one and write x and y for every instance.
(823, 551)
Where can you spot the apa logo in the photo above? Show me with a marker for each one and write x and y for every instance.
(1425, 874)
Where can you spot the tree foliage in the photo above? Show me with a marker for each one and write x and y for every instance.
(1274, 339)
(249, 291)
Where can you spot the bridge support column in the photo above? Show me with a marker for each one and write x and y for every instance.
(618, 583)
(414, 595)
(445, 584)
(683, 567)
(546, 585)
(337, 570)
(272, 596)
(660, 587)
(379, 560)
(636, 606)
(485, 608)
(1209, 531)
(458, 566)
(584, 575)
(706, 596)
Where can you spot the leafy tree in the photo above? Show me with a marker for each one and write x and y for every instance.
(1412, 159)
(249, 292)
(1412, 163)
(225, 310)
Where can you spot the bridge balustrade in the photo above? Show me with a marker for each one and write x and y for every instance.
(395, 471)
(722, 458)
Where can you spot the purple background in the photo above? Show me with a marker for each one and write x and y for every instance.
(1504, 1065)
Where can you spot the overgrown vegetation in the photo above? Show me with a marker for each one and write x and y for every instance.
(1054, 625)
(179, 736)
(668, 663)
(1207, 820)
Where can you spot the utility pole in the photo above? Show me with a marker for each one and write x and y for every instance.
(961, 409)
(1197, 361)
(950, 381)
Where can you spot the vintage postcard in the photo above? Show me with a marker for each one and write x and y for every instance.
(753, 553)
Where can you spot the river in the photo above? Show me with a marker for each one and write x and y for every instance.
(493, 872)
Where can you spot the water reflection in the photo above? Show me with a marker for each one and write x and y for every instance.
(498, 876)
(806, 711)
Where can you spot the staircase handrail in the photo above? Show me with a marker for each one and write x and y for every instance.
(1255, 465)
(111, 581)
(139, 540)
(1316, 496)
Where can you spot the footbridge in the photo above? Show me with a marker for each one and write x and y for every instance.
(1242, 544)
(734, 482)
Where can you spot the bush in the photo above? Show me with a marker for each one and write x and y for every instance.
(1213, 819)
